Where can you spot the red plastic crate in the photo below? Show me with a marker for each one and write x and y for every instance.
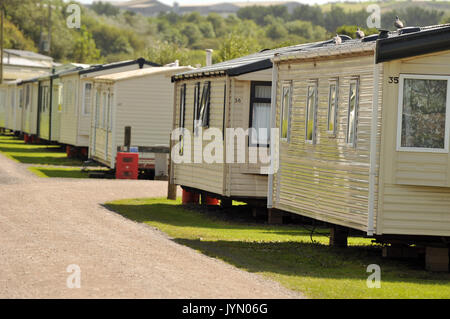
(127, 166)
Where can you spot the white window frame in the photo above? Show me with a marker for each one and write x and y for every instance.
(27, 96)
(355, 126)
(286, 85)
(314, 84)
(84, 97)
(197, 101)
(254, 100)
(332, 82)
(110, 111)
(182, 118)
(400, 148)
(20, 98)
(205, 105)
(104, 109)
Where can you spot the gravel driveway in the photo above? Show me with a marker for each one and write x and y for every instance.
(48, 224)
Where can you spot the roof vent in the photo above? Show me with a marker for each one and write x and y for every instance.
(264, 50)
(345, 37)
(408, 30)
(209, 56)
(384, 34)
(370, 38)
(141, 62)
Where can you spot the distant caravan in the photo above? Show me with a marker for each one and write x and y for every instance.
(139, 102)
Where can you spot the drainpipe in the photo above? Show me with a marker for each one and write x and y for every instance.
(273, 125)
(373, 149)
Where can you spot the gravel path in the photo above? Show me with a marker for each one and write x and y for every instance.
(48, 224)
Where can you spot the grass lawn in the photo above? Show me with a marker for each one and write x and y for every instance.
(286, 254)
(17, 150)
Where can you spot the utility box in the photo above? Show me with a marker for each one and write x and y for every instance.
(127, 165)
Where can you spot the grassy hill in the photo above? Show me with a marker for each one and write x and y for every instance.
(387, 6)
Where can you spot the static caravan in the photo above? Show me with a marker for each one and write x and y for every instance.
(77, 99)
(13, 106)
(18, 109)
(140, 99)
(44, 109)
(30, 89)
(3, 107)
(56, 100)
(49, 108)
(232, 95)
(365, 135)
(56, 108)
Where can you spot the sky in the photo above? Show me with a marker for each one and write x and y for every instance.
(186, 2)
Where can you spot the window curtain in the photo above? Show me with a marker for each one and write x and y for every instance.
(261, 122)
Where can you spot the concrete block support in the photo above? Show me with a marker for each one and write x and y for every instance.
(339, 236)
(275, 217)
(436, 259)
(400, 251)
(226, 202)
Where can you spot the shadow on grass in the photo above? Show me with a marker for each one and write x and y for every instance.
(297, 259)
(293, 256)
(59, 173)
(47, 160)
(41, 154)
(179, 216)
(36, 149)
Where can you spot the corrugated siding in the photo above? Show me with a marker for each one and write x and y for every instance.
(415, 186)
(328, 181)
(44, 116)
(84, 120)
(208, 177)
(3, 108)
(56, 114)
(145, 104)
(30, 114)
(101, 138)
(69, 114)
(245, 181)
(16, 112)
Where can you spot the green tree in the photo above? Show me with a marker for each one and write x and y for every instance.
(192, 32)
(207, 29)
(84, 50)
(276, 31)
(236, 45)
(14, 38)
(105, 8)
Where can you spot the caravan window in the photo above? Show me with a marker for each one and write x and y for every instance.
(286, 106)
(27, 96)
(182, 115)
(260, 102)
(44, 98)
(196, 107)
(332, 107)
(205, 105)
(423, 113)
(20, 98)
(352, 115)
(311, 113)
(87, 101)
